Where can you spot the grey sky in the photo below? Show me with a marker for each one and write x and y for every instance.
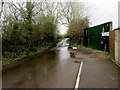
(119, 14)
(100, 11)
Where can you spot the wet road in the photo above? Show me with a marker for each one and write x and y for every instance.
(54, 69)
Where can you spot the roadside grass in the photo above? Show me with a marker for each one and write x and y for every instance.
(60, 39)
(6, 61)
(72, 45)
(90, 49)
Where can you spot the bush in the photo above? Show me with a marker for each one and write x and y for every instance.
(76, 30)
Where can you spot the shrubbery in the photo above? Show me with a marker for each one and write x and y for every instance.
(22, 37)
(76, 31)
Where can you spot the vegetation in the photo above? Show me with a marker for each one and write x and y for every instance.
(76, 31)
(23, 34)
(90, 50)
(78, 21)
(31, 27)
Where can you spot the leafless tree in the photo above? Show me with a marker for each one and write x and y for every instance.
(1, 8)
(71, 11)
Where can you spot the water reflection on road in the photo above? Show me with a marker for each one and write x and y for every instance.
(63, 51)
(51, 70)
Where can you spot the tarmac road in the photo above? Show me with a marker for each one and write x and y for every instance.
(56, 69)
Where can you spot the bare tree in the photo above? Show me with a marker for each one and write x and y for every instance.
(71, 11)
(1, 8)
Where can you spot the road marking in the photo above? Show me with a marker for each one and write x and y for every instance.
(78, 77)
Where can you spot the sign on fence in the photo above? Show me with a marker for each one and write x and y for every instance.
(105, 34)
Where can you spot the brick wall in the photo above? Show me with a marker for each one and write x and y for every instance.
(112, 43)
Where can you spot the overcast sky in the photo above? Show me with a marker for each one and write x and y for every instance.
(100, 11)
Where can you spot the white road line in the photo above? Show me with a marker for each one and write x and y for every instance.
(78, 77)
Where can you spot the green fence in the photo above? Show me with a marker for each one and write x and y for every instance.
(93, 36)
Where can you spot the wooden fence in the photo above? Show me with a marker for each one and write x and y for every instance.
(112, 43)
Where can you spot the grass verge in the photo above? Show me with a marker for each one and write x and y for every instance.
(20, 58)
(90, 49)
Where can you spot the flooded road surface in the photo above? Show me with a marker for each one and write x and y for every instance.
(54, 69)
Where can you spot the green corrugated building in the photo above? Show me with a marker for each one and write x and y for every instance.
(94, 37)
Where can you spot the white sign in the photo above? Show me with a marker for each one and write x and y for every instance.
(105, 34)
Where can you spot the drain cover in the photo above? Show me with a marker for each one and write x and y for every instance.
(77, 61)
(72, 54)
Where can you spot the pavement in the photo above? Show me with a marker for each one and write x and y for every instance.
(98, 71)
